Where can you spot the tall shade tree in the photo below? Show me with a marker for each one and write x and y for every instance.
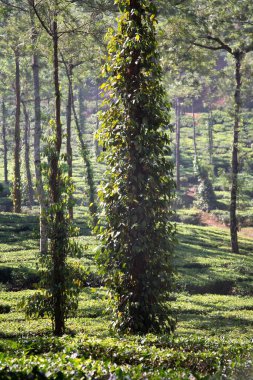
(58, 234)
(216, 29)
(37, 132)
(138, 239)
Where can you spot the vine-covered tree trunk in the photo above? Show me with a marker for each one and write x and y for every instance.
(17, 176)
(5, 146)
(27, 155)
(234, 182)
(69, 134)
(37, 140)
(137, 238)
(178, 125)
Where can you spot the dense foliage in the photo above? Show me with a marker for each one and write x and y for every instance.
(59, 231)
(138, 238)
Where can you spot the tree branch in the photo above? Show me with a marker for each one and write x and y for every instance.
(219, 41)
(209, 47)
(31, 2)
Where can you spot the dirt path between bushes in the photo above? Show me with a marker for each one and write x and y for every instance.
(208, 219)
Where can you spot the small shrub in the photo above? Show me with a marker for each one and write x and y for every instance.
(206, 199)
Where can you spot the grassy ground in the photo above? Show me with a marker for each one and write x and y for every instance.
(212, 299)
(213, 303)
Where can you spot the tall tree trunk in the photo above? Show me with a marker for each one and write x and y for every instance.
(87, 162)
(17, 176)
(37, 141)
(194, 131)
(97, 148)
(178, 125)
(27, 154)
(84, 153)
(234, 181)
(81, 99)
(210, 137)
(4, 142)
(69, 148)
(58, 239)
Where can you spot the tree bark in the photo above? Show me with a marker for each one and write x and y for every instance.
(194, 131)
(81, 99)
(37, 141)
(17, 176)
(5, 142)
(87, 162)
(234, 180)
(69, 134)
(27, 155)
(97, 148)
(178, 122)
(210, 137)
(58, 239)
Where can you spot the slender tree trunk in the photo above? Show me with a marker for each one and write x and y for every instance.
(5, 142)
(210, 137)
(37, 141)
(17, 176)
(58, 239)
(194, 131)
(178, 122)
(87, 162)
(234, 183)
(97, 148)
(81, 99)
(85, 154)
(69, 148)
(27, 155)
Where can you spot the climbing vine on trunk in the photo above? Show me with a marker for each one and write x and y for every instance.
(138, 239)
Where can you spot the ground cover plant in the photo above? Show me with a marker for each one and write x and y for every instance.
(213, 305)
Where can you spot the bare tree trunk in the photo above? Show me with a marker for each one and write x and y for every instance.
(37, 141)
(5, 142)
(178, 125)
(194, 131)
(69, 134)
(27, 154)
(234, 183)
(17, 176)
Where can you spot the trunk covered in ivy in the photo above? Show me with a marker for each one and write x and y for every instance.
(138, 238)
